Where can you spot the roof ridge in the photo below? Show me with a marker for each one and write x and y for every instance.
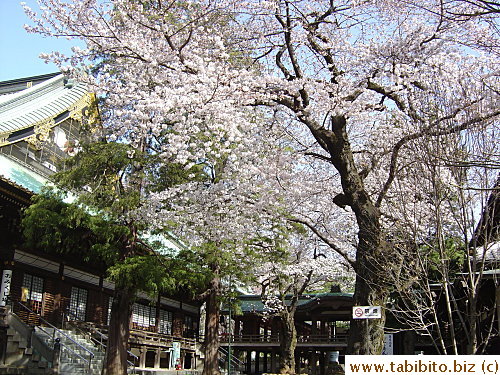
(18, 98)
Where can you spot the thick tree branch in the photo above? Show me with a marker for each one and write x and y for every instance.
(326, 240)
(319, 156)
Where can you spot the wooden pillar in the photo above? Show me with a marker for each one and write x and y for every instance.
(142, 357)
(314, 327)
(314, 361)
(236, 332)
(265, 369)
(157, 358)
(274, 367)
(157, 317)
(322, 362)
(249, 362)
(257, 362)
(59, 308)
(103, 306)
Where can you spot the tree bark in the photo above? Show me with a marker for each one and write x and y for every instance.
(366, 336)
(372, 259)
(212, 340)
(372, 262)
(288, 342)
(115, 362)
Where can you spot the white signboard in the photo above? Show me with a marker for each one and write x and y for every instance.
(5, 287)
(176, 354)
(334, 357)
(388, 344)
(366, 312)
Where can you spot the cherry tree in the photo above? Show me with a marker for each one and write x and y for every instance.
(298, 265)
(183, 103)
(352, 83)
(225, 216)
(365, 79)
(443, 283)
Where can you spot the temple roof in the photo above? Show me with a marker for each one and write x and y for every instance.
(48, 101)
(19, 176)
(253, 303)
(19, 84)
(488, 229)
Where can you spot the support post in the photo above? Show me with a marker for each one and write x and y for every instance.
(56, 359)
(157, 358)
(142, 357)
(249, 362)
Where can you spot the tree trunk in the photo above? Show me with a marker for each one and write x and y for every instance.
(372, 262)
(366, 336)
(212, 341)
(115, 362)
(288, 342)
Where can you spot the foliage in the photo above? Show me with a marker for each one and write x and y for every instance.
(454, 255)
(50, 223)
(324, 115)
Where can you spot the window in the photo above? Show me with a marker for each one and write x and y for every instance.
(78, 303)
(143, 316)
(32, 289)
(189, 326)
(165, 323)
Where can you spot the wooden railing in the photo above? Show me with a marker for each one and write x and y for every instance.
(144, 337)
(310, 339)
(141, 337)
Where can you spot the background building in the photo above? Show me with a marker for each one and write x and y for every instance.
(58, 295)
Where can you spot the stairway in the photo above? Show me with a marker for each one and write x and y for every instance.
(237, 366)
(30, 350)
(78, 354)
(22, 359)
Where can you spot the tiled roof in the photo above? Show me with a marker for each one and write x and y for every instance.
(17, 175)
(19, 84)
(253, 303)
(40, 103)
(490, 252)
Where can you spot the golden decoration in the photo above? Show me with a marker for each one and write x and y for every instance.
(3, 139)
(42, 133)
(85, 108)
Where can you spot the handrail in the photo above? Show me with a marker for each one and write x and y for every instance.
(155, 336)
(60, 332)
(315, 338)
(234, 359)
(102, 336)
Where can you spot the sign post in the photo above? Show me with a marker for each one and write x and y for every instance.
(388, 344)
(366, 312)
(5, 287)
(176, 355)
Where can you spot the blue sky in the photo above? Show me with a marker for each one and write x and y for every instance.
(20, 50)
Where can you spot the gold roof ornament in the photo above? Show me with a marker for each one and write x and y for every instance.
(31, 113)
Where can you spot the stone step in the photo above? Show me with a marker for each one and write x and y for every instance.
(11, 332)
(72, 364)
(9, 370)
